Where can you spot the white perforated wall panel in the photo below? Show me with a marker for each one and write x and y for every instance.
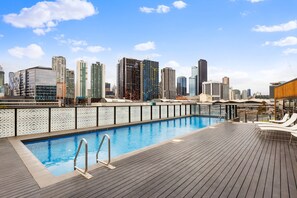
(7, 126)
(177, 110)
(122, 114)
(106, 116)
(32, 121)
(171, 111)
(62, 119)
(146, 113)
(188, 107)
(156, 114)
(164, 111)
(86, 117)
(135, 114)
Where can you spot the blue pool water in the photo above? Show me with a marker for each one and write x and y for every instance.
(57, 154)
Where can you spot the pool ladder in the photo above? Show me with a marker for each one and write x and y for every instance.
(85, 171)
(107, 164)
(81, 171)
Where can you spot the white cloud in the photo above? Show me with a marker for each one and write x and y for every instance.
(161, 9)
(291, 25)
(46, 15)
(80, 45)
(179, 4)
(288, 41)
(32, 51)
(76, 49)
(77, 42)
(146, 10)
(95, 49)
(255, 1)
(290, 51)
(150, 45)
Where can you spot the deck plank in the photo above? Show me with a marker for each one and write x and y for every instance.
(230, 160)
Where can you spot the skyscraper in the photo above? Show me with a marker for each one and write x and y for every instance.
(1, 82)
(225, 88)
(181, 86)
(168, 83)
(70, 85)
(128, 79)
(272, 86)
(193, 82)
(149, 80)
(98, 80)
(81, 79)
(202, 74)
(249, 93)
(225, 81)
(59, 65)
(244, 94)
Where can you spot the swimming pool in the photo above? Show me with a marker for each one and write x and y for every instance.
(57, 154)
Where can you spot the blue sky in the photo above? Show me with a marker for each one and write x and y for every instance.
(254, 42)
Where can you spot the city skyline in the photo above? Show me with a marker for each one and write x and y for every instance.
(252, 42)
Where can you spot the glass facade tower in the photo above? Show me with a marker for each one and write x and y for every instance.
(98, 80)
(202, 74)
(181, 86)
(150, 80)
(128, 79)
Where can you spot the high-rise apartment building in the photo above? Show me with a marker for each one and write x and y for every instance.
(202, 74)
(81, 79)
(244, 94)
(181, 87)
(225, 88)
(193, 82)
(59, 66)
(2, 74)
(272, 86)
(249, 93)
(98, 80)
(236, 94)
(70, 84)
(128, 79)
(214, 89)
(226, 80)
(168, 83)
(38, 83)
(149, 80)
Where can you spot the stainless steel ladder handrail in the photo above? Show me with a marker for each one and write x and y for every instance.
(109, 158)
(83, 140)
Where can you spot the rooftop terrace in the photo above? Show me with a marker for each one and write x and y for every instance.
(228, 160)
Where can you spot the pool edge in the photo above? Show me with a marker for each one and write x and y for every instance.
(44, 178)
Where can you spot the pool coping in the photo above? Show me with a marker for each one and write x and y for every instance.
(42, 175)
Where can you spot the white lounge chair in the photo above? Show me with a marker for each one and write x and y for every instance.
(284, 119)
(293, 134)
(289, 122)
(292, 129)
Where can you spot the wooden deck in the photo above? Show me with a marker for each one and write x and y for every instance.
(230, 160)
